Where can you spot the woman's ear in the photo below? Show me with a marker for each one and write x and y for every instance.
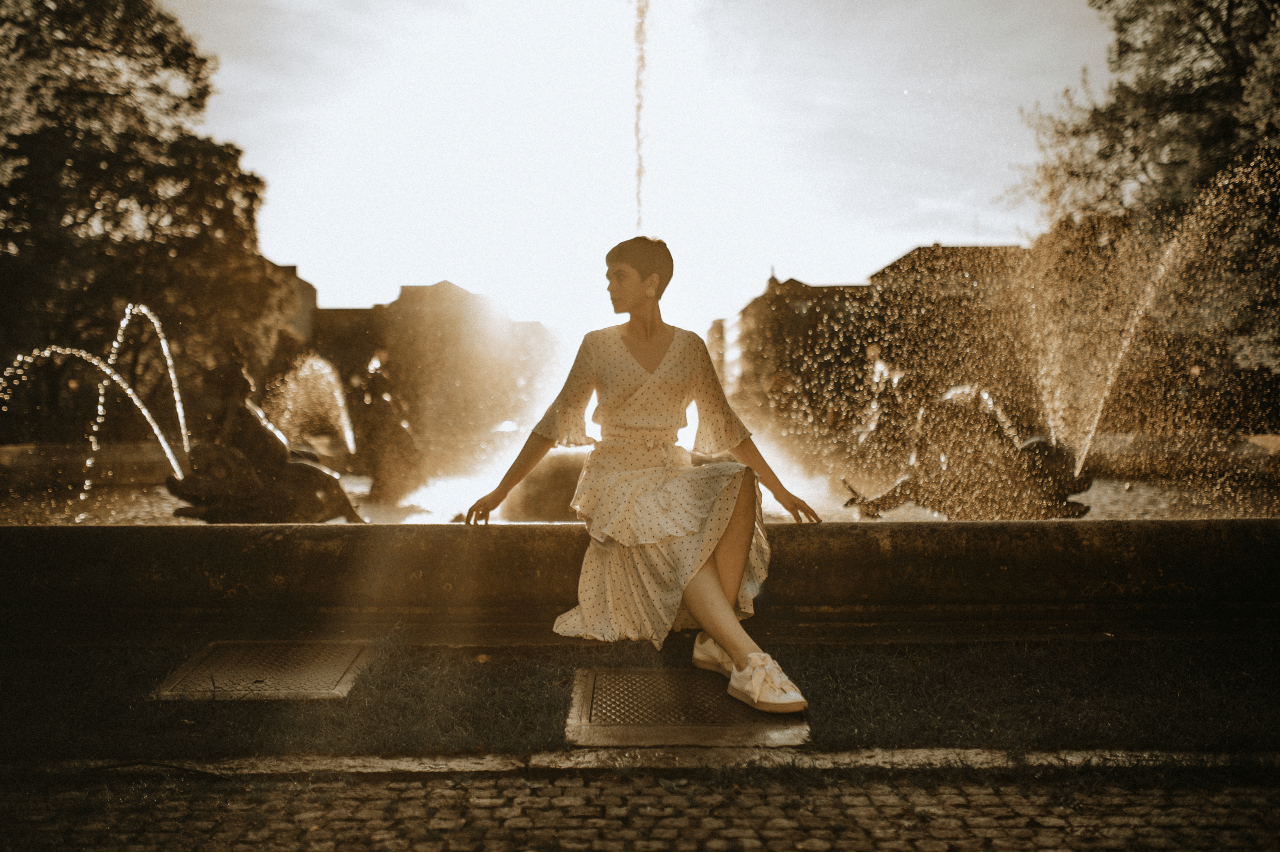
(652, 286)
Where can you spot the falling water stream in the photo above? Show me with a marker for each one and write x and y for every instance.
(1148, 296)
(7, 381)
(15, 373)
(130, 312)
(95, 447)
(642, 13)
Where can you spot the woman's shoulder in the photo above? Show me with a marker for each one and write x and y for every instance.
(688, 336)
(613, 334)
(693, 341)
(593, 340)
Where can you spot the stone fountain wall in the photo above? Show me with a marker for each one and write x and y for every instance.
(833, 574)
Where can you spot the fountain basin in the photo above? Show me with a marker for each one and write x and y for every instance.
(834, 573)
(1121, 456)
(39, 466)
(1130, 456)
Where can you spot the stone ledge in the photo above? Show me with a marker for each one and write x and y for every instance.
(831, 572)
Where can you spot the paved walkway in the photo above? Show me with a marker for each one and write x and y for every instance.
(608, 810)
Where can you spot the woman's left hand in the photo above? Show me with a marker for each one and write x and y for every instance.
(799, 510)
(748, 454)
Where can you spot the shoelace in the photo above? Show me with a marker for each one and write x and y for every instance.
(768, 673)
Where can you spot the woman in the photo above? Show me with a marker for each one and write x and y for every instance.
(673, 545)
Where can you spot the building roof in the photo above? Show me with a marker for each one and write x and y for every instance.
(947, 263)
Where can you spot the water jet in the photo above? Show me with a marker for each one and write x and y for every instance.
(7, 382)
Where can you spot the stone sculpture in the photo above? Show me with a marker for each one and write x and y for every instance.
(248, 474)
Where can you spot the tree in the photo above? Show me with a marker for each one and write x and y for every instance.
(1179, 155)
(1259, 111)
(107, 198)
(1225, 257)
(1175, 115)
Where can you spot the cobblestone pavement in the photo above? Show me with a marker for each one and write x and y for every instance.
(611, 811)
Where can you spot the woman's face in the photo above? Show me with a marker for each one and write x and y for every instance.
(627, 290)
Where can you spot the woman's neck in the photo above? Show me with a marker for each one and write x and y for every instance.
(646, 323)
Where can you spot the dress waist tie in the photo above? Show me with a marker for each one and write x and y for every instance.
(650, 439)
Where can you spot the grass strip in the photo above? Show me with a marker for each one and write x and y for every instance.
(1210, 694)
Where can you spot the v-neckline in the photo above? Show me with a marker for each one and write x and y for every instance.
(665, 353)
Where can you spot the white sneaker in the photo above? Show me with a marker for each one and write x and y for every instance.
(764, 686)
(708, 655)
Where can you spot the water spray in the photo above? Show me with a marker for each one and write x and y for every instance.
(1047, 399)
(1126, 339)
(642, 12)
(311, 389)
(7, 383)
(130, 311)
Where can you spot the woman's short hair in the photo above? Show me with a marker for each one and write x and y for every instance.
(648, 255)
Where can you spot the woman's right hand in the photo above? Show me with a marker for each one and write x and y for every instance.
(535, 447)
(480, 509)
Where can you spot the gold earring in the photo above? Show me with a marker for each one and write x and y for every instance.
(651, 293)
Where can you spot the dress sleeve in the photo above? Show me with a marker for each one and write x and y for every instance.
(565, 421)
(719, 428)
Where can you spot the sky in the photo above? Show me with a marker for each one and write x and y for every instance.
(491, 142)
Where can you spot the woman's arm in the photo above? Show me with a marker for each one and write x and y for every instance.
(563, 421)
(748, 454)
(531, 454)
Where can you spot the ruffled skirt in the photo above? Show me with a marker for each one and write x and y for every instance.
(654, 520)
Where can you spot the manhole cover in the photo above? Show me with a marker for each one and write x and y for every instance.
(267, 670)
(670, 707)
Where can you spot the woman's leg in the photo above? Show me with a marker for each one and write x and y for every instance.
(713, 593)
(732, 550)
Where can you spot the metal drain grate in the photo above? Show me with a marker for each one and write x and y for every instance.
(670, 707)
(267, 670)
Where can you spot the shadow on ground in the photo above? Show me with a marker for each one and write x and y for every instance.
(1212, 694)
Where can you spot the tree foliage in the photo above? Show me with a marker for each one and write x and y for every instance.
(107, 196)
(1259, 112)
(1194, 89)
(1182, 150)
(1225, 253)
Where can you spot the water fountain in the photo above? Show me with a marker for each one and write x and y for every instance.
(238, 478)
(14, 374)
(833, 576)
(966, 459)
(130, 312)
(250, 474)
(1209, 276)
(1085, 333)
(1080, 331)
(310, 407)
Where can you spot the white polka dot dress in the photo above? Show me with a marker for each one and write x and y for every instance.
(654, 517)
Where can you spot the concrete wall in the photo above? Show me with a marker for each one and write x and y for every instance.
(834, 571)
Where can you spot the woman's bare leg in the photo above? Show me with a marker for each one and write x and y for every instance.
(734, 546)
(713, 593)
(705, 601)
